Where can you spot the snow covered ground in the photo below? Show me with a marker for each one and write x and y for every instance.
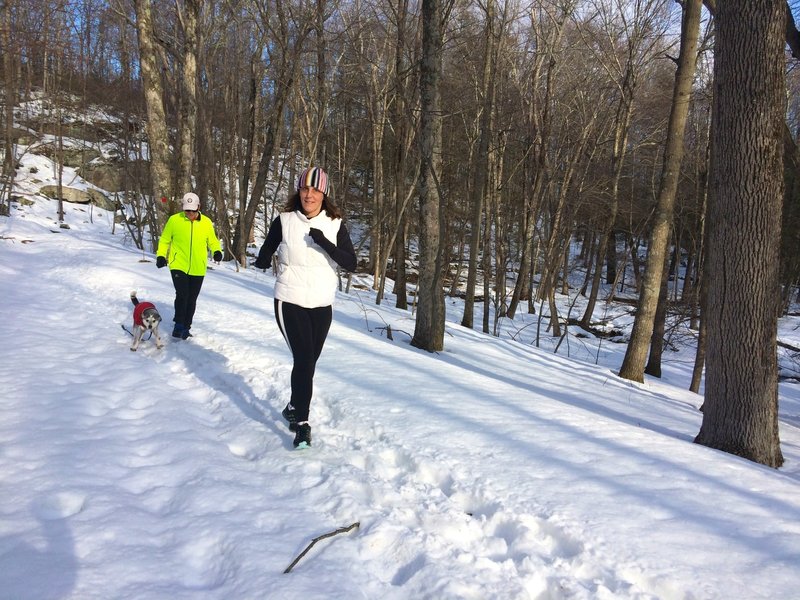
(492, 470)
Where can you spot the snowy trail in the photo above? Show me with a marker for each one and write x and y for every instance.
(491, 470)
(216, 394)
(359, 471)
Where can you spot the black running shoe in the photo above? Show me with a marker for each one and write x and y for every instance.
(291, 417)
(302, 437)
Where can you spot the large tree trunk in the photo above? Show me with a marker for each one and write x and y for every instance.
(636, 354)
(156, 126)
(741, 400)
(188, 97)
(429, 326)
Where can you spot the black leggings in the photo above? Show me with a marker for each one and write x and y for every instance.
(187, 288)
(304, 330)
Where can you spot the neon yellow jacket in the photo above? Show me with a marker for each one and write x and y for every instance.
(186, 244)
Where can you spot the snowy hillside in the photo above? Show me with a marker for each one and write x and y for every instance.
(491, 470)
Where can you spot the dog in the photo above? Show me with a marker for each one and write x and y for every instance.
(145, 318)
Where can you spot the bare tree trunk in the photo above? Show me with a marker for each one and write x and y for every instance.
(156, 126)
(59, 147)
(283, 85)
(559, 236)
(741, 402)
(246, 217)
(701, 281)
(377, 110)
(10, 81)
(403, 140)
(481, 162)
(188, 97)
(634, 362)
(548, 32)
(429, 326)
(497, 228)
(565, 267)
(249, 139)
(639, 50)
(207, 162)
(322, 89)
(398, 231)
(702, 335)
(555, 322)
(636, 263)
(611, 253)
(486, 267)
(607, 237)
(501, 230)
(653, 366)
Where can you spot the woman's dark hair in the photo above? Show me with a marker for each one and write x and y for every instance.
(330, 208)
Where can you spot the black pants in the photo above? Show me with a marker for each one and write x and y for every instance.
(187, 288)
(304, 330)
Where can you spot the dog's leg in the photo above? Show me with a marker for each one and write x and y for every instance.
(159, 343)
(137, 337)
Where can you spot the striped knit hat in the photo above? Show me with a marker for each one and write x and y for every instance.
(313, 177)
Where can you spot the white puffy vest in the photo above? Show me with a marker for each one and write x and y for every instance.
(306, 274)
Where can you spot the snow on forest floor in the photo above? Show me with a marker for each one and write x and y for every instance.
(493, 469)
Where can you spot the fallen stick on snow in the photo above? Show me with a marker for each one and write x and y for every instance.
(318, 538)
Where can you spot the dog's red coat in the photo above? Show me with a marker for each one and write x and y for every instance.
(138, 311)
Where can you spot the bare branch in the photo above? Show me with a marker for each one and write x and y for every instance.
(318, 538)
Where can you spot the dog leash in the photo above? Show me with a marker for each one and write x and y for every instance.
(131, 333)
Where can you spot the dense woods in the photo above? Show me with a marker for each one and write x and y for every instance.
(505, 152)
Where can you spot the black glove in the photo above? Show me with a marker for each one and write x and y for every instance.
(217, 256)
(317, 235)
(161, 261)
(261, 263)
(320, 239)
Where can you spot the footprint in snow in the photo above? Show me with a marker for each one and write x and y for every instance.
(244, 450)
